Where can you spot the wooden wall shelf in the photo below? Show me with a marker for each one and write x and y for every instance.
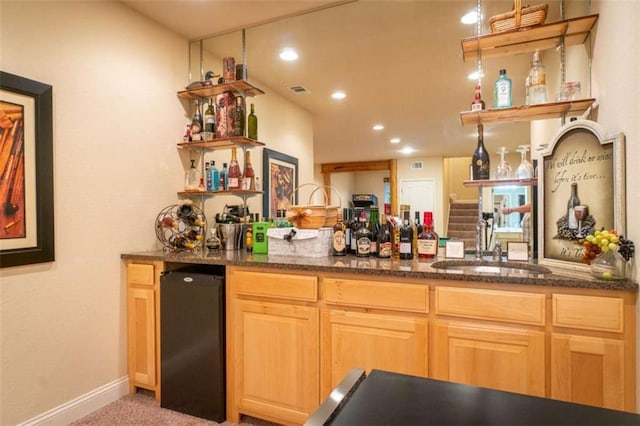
(221, 143)
(526, 112)
(500, 182)
(545, 36)
(237, 86)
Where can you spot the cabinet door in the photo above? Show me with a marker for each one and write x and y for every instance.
(504, 358)
(276, 365)
(141, 328)
(382, 341)
(588, 370)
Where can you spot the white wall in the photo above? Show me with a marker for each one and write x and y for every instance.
(115, 75)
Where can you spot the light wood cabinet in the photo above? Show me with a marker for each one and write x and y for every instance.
(273, 351)
(143, 325)
(497, 357)
(591, 355)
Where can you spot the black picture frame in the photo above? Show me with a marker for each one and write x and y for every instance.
(283, 189)
(37, 137)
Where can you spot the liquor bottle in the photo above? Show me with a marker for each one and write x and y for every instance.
(406, 238)
(215, 176)
(252, 125)
(502, 91)
(210, 119)
(428, 239)
(480, 164)
(347, 215)
(478, 103)
(385, 249)
(363, 237)
(417, 229)
(355, 224)
(248, 238)
(339, 237)
(209, 176)
(536, 81)
(249, 173)
(233, 176)
(224, 182)
(196, 122)
(192, 178)
(574, 201)
(238, 118)
(374, 228)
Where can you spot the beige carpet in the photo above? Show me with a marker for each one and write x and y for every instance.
(143, 409)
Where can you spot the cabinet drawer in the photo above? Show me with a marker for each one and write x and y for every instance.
(370, 294)
(296, 287)
(140, 273)
(523, 308)
(588, 312)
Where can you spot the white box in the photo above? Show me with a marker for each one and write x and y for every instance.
(305, 242)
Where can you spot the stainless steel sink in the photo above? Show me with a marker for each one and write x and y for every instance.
(490, 268)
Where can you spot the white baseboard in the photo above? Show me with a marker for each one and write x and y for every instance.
(83, 405)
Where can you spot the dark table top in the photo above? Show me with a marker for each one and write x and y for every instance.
(385, 398)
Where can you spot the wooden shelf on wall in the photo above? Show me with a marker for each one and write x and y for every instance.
(526, 112)
(546, 36)
(500, 182)
(237, 86)
(221, 143)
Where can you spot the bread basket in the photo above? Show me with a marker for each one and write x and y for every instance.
(332, 210)
(307, 216)
(519, 17)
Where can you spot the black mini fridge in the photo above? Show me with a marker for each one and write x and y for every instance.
(192, 343)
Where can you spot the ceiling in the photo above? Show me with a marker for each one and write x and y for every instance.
(400, 63)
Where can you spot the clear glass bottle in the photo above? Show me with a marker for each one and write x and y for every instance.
(234, 174)
(480, 164)
(536, 80)
(192, 178)
(428, 239)
(502, 91)
(252, 124)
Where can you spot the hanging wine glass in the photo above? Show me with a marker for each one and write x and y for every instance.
(503, 171)
(525, 169)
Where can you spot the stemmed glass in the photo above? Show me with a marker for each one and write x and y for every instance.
(525, 169)
(503, 171)
(581, 213)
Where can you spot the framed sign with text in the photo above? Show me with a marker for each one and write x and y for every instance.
(582, 189)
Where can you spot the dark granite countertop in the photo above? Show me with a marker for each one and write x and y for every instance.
(421, 269)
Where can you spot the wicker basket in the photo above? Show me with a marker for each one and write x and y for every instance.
(332, 210)
(519, 17)
(307, 216)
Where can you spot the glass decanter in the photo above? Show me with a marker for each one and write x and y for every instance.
(503, 171)
(525, 169)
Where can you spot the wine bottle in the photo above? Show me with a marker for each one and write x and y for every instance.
(428, 239)
(339, 238)
(363, 237)
(347, 215)
(502, 91)
(478, 103)
(233, 176)
(374, 229)
(480, 165)
(196, 122)
(215, 176)
(385, 249)
(249, 173)
(239, 118)
(355, 225)
(406, 238)
(210, 119)
(224, 182)
(417, 229)
(572, 222)
(252, 125)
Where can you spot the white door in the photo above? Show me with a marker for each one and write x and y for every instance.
(420, 194)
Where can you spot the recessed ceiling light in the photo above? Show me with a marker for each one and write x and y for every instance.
(470, 18)
(378, 127)
(407, 150)
(288, 54)
(339, 95)
(474, 75)
(394, 140)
